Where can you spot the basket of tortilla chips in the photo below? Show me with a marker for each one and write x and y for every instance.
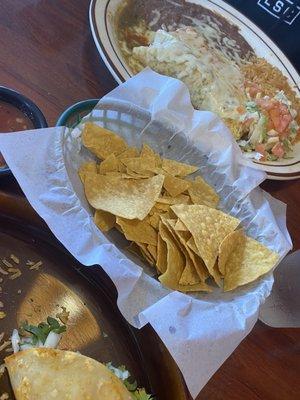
(170, 217)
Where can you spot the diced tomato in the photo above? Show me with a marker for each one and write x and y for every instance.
(241, 109)
(278, 150)
(260, 148)
(253, 89)
(266, 104)
(280, 117)
(247, 122)
(270, 124)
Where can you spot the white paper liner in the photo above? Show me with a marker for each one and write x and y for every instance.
(202, 330)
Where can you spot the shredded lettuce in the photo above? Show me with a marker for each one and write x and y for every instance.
(287, 145)
(293, 129)
(280, 96)
(251, 107)
(259, 132)
(263, 137)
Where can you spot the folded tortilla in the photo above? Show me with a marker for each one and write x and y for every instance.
(44, 374)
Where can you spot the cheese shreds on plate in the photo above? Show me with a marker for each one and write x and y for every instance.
(3, 271)
(15, 259)
(7, 263)
(2, 314)
(36, 265)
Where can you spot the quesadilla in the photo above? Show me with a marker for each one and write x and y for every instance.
(46, 373)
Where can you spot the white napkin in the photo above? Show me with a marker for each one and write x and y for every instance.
(200, 331)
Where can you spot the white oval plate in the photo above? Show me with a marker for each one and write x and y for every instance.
(103, 29)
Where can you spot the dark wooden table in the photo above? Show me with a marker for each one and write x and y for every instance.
(47, 53)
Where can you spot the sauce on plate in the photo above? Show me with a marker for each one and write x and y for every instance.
(12, 120)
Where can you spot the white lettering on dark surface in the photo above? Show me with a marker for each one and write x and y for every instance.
(286, 10)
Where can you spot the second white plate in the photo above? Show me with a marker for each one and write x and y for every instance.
(102, 23)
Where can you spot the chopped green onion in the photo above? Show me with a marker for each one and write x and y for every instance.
(124, 375)
(40, 333)
(141, 394)
(53, 322)
(131, 386)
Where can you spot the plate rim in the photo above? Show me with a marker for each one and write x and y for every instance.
(121, 73)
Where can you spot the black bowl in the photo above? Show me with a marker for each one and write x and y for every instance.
(27, 107)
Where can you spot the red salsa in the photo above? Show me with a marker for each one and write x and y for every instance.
(12, 120)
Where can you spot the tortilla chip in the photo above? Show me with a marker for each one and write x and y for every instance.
(161, 207)
(162, 251)
(138, 231)
(140, 165)
(195, 270)
(228, 244)
(176, 168)
(110, 164)
(195, 258)
(175, 260)
(154, 220)
(101, 141)
(146, 254)
(129, 152)
(248, 261)
(180, 199)
(148, 152)
(141, 251)
(119, 174)
(121, 167)
(127, 198)
(217, 276)
(199, 287)
(189, 275)
(153, 251)
(175, 186)
(134, 175)
(179, 226)
(133, 248)
(208, 228)
(87, 168)
(104, 220)
(202, 193)
(192, 245)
